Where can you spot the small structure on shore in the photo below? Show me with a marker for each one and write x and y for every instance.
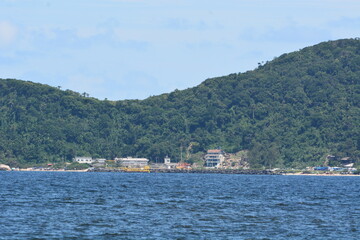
(4, 167)
(168, 163)
(347, 162)
(167, 160)
(183, 165)
(99, 162)
(132, 162)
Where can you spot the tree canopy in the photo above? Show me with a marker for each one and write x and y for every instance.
(291, 111)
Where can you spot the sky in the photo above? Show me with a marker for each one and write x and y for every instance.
(133, 49)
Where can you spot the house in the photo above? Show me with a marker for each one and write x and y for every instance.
(83, 160)
(214, 158)
(132, 162)
(347, 162)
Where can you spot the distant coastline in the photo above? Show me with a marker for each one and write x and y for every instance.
(199, 171)
(47, 170)
(321, 174)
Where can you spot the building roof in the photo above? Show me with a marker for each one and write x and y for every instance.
(131, 159)
(214, 151)
(83, 157)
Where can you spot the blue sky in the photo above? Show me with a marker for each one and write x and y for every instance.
(133, 49)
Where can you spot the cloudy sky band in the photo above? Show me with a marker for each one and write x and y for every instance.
(127, 49)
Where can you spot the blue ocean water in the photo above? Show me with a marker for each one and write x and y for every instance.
(66, 205)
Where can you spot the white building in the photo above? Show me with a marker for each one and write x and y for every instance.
(168, 163)
(167, 160)
(132, 162)
(214, 158)
(83, 159)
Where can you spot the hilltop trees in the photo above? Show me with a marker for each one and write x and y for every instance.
(295, 109)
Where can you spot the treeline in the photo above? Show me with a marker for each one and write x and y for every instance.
(291, 111)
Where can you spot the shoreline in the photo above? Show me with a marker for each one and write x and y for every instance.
(47, 170)
(199, 171)
(321, 174)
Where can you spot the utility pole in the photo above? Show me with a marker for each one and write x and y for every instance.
(180, 152)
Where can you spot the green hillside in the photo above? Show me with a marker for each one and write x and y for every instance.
(291, 111)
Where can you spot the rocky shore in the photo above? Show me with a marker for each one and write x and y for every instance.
(217, 171)
(199, 171)
(204, 171)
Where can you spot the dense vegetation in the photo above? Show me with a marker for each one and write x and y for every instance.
(291, 111)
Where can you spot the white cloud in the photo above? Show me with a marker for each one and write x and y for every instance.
(7, 33)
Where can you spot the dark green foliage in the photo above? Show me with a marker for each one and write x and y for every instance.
(291, 111)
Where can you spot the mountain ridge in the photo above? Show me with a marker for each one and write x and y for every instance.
(290, 111)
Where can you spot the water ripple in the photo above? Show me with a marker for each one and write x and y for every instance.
(40, 205)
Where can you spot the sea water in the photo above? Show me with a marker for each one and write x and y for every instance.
(66, 205)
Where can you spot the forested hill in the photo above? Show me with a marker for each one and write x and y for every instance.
(290, 111)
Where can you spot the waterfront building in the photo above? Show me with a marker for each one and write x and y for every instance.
(167, 160)
(168, 164)
(347, 162)
(132, 162)
(214, 158)
(83, 160)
